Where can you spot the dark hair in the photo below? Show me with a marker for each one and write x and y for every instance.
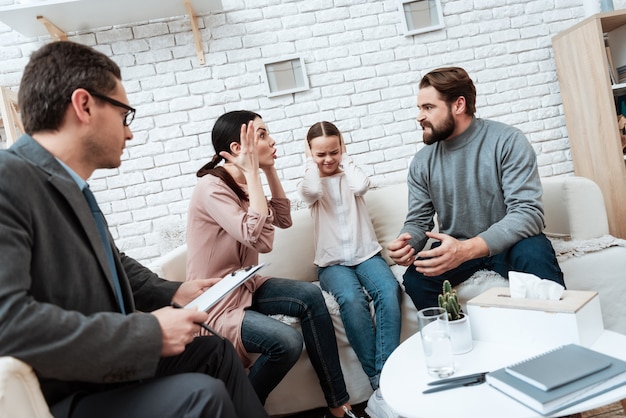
(226, 131)
(323, 128)
(452, 83)
(53, 73)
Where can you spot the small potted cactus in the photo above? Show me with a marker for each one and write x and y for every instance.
(460, 331)
(449, 301)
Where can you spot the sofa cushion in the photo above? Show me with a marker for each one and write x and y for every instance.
(574, 208)
(293, 251)
(387, 207)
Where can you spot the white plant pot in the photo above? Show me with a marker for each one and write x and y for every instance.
(460, 335)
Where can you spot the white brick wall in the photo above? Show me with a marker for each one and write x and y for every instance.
(363, 74)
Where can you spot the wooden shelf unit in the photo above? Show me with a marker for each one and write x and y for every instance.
(589, 107)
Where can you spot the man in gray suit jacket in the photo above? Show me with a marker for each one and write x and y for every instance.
(96, 326)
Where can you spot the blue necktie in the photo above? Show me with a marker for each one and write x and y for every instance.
(99, 218)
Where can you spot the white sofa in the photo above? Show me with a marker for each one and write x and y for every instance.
(575, 214)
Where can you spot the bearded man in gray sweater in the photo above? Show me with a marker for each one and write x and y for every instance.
(480, 177)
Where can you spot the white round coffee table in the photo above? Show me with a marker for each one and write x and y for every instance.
(404, 377)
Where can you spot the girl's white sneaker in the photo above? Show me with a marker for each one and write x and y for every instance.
(378, 408)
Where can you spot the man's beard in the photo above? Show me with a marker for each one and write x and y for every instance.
(439, 133)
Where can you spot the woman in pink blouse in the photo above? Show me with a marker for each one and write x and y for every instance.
(230, 221)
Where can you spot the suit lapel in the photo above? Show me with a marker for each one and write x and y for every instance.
(68, 188)
(30, 150)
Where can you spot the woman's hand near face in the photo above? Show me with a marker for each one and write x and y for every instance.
(247, 162)
(248, 158)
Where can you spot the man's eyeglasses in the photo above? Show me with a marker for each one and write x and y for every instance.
(130, 111)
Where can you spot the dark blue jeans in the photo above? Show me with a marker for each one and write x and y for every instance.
(533, 255)
(280, 345)
(372, 340)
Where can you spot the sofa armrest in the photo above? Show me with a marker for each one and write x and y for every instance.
(20, 394)
(574, 208)
(173, 265)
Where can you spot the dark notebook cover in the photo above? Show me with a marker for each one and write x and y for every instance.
(572, 361)
(548, 402)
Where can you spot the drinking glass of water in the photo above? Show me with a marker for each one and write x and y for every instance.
(433, 326)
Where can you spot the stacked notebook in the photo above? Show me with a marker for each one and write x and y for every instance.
(559, 378)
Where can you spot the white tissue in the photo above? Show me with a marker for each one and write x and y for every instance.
(529, 286)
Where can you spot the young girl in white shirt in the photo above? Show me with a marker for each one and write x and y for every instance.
(348, 255)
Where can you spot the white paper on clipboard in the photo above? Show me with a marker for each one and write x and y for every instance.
(215, 293)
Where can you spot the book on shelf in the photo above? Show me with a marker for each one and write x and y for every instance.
(562, 396)
(616, 40)
(609, 57)
(620, 103)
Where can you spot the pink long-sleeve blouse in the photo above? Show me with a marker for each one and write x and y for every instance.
(223, 236)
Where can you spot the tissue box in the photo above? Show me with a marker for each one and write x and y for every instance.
(575, 318)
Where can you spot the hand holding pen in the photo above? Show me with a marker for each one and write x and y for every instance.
(202, 324)
(178, 327)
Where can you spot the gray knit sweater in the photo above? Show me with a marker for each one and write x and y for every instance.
(483, 182)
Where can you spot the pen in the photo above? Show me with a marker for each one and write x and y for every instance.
(444, 387)
(202, 324)
(456, 382)
(458, 378)
(453, 385)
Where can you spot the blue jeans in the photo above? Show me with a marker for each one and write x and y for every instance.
(533, 255)
(372, 341)
(280, 345)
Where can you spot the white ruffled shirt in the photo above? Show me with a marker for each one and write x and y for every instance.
(343, 230)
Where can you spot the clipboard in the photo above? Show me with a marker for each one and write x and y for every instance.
(215, 293)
